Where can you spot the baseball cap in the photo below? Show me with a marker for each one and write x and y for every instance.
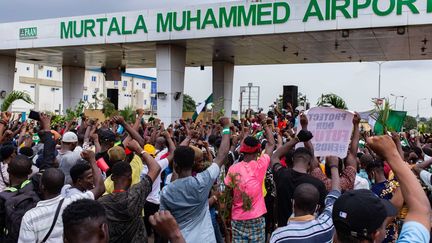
(106, 135)
(359, 213)
(150, 149)
(70, 137)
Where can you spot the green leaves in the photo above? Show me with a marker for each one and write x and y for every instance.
(14, 96)
(129, 114)
(332, 100)
(189, 104)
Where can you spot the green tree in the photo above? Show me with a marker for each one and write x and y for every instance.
(128, 113)
(189, 104)
(14, 96)
(429, 126)
(332, 100)
(410, 123)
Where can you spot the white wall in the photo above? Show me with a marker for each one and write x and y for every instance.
(50, 98)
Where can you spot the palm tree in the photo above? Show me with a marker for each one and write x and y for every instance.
(14, 96)
(128, 113)
(332, 100)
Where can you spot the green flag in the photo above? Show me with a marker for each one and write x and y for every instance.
(202, 107)
(394, 122)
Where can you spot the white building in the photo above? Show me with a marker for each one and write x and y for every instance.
(44, 85)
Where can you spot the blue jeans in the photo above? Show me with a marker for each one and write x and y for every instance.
(218, 234)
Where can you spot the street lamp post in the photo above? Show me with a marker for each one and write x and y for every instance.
(379, 78)
(418, 110)
(403, 103)
(396, 98)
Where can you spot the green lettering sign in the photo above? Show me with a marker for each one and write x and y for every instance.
(89, 26)
(246, 18)
(429, 6)
(28, 33)
(114, 27)
(124, 30)
(139, 25)
(191, 19)
(313, 10)
(101, 22)
(358, 6)
(409, 4)
(182, 26)
(286, 8)
(262, 13)
(209, 19)
(163, 25)
(66, 31)
(225, 20)
(341, 8)
(386, 12)
(78, 32)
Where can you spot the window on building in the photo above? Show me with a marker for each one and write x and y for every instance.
(85, 98)
(153, 88)
(49, 73)
(145, 102)
(125, 83)
(115, 83)
(143, 85)
(93, 78)
(28, 68)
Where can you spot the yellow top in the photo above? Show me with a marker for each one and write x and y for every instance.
(137, 167)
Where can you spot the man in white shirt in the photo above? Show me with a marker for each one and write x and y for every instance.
(37, 222)
(68, 155)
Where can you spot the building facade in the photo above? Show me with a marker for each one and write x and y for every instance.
(45, 87)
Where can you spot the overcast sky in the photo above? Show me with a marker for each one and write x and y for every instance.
(357, 83)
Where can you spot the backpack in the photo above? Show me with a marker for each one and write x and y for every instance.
(14, 203)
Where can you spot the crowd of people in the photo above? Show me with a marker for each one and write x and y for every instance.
(250, 180)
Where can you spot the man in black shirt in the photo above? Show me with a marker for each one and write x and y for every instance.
(287, 179)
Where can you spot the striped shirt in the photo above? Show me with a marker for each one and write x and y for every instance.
(37, 221)
(318, 230)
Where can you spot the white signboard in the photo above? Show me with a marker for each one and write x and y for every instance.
(215, 20)
(331, 129)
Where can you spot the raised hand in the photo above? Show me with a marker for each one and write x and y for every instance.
(118, 119)
(224, 122)
(304, 122)
(88, 155)
(332, 161)
(134, 146)
(383, 146)
(356, 119)
(45, 122)
(165, 224)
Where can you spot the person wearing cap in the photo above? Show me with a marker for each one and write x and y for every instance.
(107, 139)
(304, 226)
(361, 216)
(118, 154)
(67, 156)
(247, 177)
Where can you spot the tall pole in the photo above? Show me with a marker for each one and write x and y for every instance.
(241, 100)
(379, 81)
(418, 107)
(379, 78)
(403, 103)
